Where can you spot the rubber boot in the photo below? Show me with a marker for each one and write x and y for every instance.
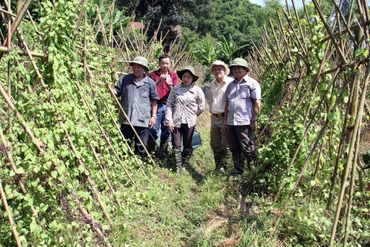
(238, 164)
(220, 161)
(178, 160)
(162, 151)
(186, 154)
(151, 147)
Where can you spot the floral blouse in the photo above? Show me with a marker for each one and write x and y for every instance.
(184, 104)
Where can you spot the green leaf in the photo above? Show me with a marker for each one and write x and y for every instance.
(19, 171)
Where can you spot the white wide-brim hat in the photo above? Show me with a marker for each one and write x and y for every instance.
(221, 63)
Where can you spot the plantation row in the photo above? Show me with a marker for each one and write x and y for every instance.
(68, 178)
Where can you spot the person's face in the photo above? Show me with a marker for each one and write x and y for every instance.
(138, 70)
(187, 78)
(165, 64)
(239, 72)
(219, 72)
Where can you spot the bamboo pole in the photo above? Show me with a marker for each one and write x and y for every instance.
(22, 11)
(84, 54)
(39, 76)
(34, 26)
(351, 156)
(351, 190)
(302, 140)
(40, 146)
(105, 176)
(272, 47)
(339, 50)
(101, 26)
(14, 167)
(91, 183)
(299, 26)
(296, 38)
(93, 224)
(303, 170)
(111, 10)
(284, 38)
(10, 215)
(106, 138)
(132, 127)
(123, 138)
(9, 13)
(119, 131)
(4, 49)
(9, 42)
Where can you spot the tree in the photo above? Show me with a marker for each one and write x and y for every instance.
(236, 22)
(169, 13)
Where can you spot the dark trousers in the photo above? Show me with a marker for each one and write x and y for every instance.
(187, 135)
(241, 143)
(159, 125)
(129, 135)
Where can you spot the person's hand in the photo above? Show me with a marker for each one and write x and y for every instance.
(225, 125)
(254, 126)
(113, 90)
(169, 80)
(162, 77)
(171, 127)
(152, 121)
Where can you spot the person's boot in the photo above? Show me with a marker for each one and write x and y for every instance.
(238, 165)
(186, 154)
(162, 151)
(220, 161)
(178, 160)
(151, 147)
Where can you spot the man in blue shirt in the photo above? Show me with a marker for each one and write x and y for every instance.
(242, 106)
(139, 101)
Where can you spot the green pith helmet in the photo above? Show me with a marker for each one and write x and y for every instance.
(239, 62)
(140, 61)
(187, 69)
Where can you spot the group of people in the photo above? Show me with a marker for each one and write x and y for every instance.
(158, 103)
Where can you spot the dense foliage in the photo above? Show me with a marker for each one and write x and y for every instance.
(70, 179)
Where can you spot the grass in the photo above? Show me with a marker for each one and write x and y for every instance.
(198, 208)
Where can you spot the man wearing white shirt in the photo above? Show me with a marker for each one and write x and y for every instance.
(219, 138)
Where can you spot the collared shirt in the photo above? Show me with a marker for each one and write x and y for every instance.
(162, 87)
(184, 104)
(136, 99)
(240, 98)
(217, 94)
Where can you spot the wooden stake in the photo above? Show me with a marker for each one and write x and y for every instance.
(14, 167)
(10, 217)
(351, 155)
(91, 183)
(105, 175)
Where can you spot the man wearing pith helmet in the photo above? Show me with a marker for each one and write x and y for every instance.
(219, 139)
(139, 101)
(242, 106)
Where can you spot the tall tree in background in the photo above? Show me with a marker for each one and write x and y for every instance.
(238, 21)
(169, 13)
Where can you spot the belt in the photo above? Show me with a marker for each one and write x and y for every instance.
(218, 114)
(162, 102)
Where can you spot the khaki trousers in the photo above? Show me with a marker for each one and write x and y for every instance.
(219, 137)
